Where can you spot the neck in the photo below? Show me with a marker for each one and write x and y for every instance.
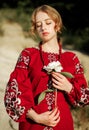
(50, 42)
(51, 46)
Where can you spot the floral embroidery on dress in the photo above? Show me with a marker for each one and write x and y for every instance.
(79, 68)
(51, 57)
(12, 101)
(23, 61)
(50, 98)
(84, 96)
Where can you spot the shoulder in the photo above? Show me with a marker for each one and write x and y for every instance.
(25, 56)
(30, 51)
(68, 53)
(70, 56)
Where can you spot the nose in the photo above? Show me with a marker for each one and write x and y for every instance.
(43, 26)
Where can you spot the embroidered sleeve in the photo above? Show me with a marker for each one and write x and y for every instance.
(84, 100)
(18, 96)
(79, 95)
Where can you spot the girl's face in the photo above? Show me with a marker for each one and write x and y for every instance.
(45, 26)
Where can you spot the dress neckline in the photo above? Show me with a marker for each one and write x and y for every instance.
(49, 53)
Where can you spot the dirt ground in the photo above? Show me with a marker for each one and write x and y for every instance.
(11, 43)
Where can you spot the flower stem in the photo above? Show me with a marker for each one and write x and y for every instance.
(55, 97)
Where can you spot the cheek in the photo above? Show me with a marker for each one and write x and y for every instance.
(52, 28)
(38, 31)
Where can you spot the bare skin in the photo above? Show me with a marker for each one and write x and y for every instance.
(60, 82)
(49, 118)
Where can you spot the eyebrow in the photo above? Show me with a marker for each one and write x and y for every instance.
(44, 20)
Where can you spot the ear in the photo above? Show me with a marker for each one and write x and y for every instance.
(57, 29)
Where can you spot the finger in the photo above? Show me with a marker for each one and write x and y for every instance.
(57, 78)
(57, 121)
(54, 123)
(55, 81)
(48, 112)
(56, 74)
(57, 116)
(59, 86)
(54, 111)
(54, 119)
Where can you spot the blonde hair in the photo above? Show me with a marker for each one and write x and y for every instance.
(53, 13)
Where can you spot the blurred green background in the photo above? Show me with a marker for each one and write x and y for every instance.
(74, 14)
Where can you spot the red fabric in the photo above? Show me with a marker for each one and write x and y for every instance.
(28, 80)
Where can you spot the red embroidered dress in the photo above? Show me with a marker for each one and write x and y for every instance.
(29, 79)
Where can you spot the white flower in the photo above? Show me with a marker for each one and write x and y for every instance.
(55, 65)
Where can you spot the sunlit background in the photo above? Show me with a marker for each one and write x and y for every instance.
(15, 36)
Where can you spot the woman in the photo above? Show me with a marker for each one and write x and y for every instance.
(29, 79)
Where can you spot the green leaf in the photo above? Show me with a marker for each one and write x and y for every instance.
(67, 74)
(42, 95)
(49, 90)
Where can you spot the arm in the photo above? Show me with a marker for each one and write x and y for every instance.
(49, 118)
(19, 99)
(18, 96)
(79, 95)
(76, 89)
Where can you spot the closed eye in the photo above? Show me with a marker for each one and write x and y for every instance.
(48, 23)
(38, 25)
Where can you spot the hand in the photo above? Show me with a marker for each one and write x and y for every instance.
(49, 118)
(60, 82)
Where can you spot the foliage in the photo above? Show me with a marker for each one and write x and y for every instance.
(74, 13)
(16, 15)
(78, 40)
(85, 40)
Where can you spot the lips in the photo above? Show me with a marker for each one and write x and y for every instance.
(45, 33)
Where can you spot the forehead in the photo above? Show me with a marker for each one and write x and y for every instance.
(41, 16)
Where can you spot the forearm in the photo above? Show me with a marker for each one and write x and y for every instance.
(48, 118)
(32, 115)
